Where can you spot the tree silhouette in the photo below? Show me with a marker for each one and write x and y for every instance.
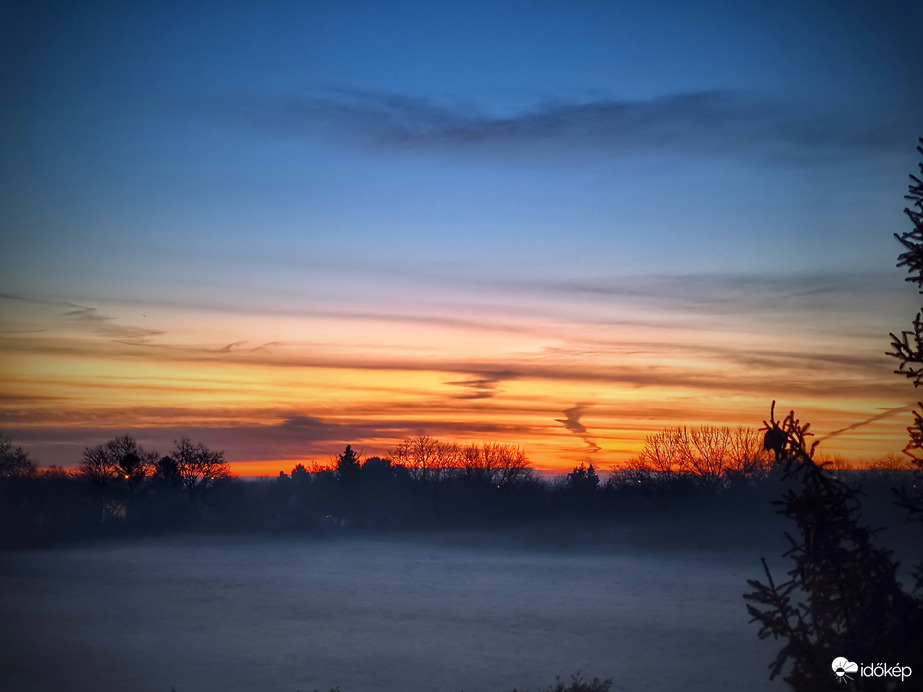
(493, 464)
(348, 465)
(908, 347)
(710, 454)
(583, 480)
(166, 472)
(120, 463)
(663, 452)
(299, 473)
(425, 457)
(199, 467)
(14, 461)
(115, 469)
(579, 684)
(843, 596)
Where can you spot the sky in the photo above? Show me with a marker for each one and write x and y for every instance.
(284, 227)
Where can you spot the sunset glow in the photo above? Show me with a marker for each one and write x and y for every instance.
(360, 232)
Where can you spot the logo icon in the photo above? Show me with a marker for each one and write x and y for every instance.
(841, 667)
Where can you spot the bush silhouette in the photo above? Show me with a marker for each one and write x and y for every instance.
(578, 684)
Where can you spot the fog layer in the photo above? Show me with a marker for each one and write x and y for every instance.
(369, 615)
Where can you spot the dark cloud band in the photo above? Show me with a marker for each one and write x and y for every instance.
(709, 124)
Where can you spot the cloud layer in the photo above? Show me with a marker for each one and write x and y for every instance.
(711, 124)
(661, 350)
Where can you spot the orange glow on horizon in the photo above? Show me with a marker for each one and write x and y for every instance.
(591, 394)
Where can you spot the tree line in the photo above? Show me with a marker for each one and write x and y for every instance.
(118, 487)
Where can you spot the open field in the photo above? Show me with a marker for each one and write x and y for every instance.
(372, 615)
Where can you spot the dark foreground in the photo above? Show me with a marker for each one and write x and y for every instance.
(441, 613)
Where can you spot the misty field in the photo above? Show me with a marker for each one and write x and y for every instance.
(367, 615)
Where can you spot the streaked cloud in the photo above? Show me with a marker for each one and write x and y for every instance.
(482, 385)
(296, 437)
(681, 375)
(673, 346)
(79, 317)
(572, 423)
(705, 124)
(723, 293)
(570, 235)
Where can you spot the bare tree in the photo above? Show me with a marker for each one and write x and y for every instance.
(707, 452)
(663, 452)
(132, 463)
(119, 463)
(416, 454)
(199, 467)
(488, 463)
(473, 465)
(495, 463)
(14, 461)
(447, 460)
(95, 465)
(514, 465)
(426, 458)
(747, 457)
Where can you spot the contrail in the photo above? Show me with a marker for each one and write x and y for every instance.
(879, 416)
(572, 423)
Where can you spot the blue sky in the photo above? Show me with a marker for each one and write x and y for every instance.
(587, 174)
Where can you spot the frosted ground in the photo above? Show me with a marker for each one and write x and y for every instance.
(373, 616)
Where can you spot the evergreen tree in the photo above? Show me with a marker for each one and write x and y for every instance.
(583, 480)
(348, 465)
(908, 347)
(843, 597)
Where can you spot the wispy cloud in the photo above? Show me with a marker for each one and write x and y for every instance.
(729, 293)
(482, 385)
(590, 350)
(701, 124)
(82, 318)
(660, 296)
(513, 392)
(297, 436)
(572, 423)
(481, 374)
